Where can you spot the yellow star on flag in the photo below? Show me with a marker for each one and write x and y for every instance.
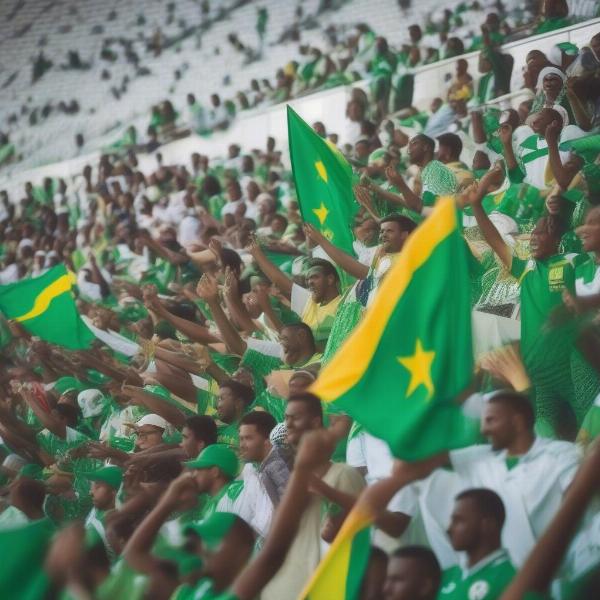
(419, 367)
(321, 213)
(321, 170)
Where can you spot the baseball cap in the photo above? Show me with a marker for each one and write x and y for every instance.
(213, 529)
(216, 455)
(152, 419)
(111, 475)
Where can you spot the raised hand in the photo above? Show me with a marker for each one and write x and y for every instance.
(393, 176)
(208, 288)
(553, 131)
(505, 132)
(506, 365)
(315, 449)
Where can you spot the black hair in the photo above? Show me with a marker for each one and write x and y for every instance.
(230, 258)
(327, 268)
(203, 427)
(305, 329)
(68, 412)
(451, 141)
(425, 558)
(312, 402)
(403, 222)
(32, 490)
(426, 140)
(262, 420)
(516, 402)
(239, 390)
(488, 503)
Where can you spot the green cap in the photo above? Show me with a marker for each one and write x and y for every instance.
(216, 455)
(213, 529)
(376, 155)
(111, 475)
(158, 390)
(68, 384)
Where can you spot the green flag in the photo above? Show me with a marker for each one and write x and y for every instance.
(588, 147)
(21, 572)
(400, 371)
(45, 307)
(323, 181)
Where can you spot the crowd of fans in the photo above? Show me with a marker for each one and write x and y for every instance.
(184, 456)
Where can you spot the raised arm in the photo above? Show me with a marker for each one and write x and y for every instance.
(392, 523)
(411, 200)
(276, 275)
(505, 134)
(345, 261)
(316, 447)
(208, 290)
(181, 493)
(489, 231)
(195, 332)
(47, 419)
(563, 174)
(236, 307)
(156, 405)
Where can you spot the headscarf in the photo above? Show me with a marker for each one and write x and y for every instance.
(548, 71)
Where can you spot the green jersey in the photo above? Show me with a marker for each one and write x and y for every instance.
(229, 434)
(542, 284)
(484, 581)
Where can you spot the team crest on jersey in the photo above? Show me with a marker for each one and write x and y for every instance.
(479, 590)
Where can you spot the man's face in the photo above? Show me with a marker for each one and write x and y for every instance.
(298, 421)
(189, 444)
(204, 479)
(289, 340)
(103, 496)
(497, 425)
(416, 150)
(227, 405)
(589, 232)
(403, 581)
(552, 85)
(318, 284)
(391, 237)
(148, 436)
(233, 192)
(464, 530)
(539, 121)
(253, 446)
(542, 244)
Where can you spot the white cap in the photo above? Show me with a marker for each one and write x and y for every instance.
(152, 419)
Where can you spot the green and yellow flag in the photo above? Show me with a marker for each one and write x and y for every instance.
(339, 575)
(45, 306)
(400, 371)
(323, 179)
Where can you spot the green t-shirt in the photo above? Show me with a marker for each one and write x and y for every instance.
(486, 581)
(542, 284)
(229, 434)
